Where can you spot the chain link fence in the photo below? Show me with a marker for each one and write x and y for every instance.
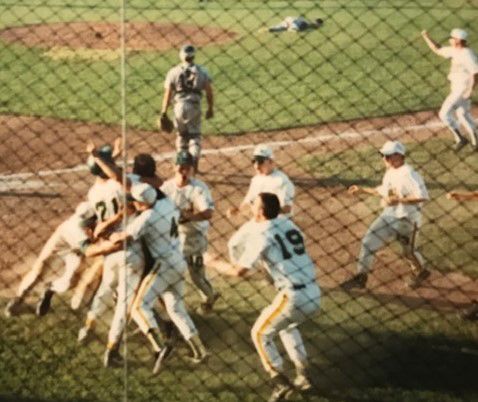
(342, 109)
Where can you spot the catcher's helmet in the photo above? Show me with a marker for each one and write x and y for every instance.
(105, 152)
(187, 52)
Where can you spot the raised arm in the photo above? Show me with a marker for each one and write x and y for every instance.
(434, 46)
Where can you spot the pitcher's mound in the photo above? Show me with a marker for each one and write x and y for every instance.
(106, 36)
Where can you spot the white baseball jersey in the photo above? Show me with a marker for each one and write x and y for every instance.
(277, 182)
(159, 228)
(464, 65)
(403, 182)
(187, 81)
(69, 236)
(194, 197)
(106, 197)
(279, 245)
(295, 23)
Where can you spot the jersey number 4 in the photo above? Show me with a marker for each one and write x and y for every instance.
(292, 238)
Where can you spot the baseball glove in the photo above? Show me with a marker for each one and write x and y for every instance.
(165, 123)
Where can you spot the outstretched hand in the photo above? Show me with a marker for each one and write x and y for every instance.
(354, 189)
(90, 146)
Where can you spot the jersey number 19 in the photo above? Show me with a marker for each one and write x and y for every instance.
(294, 239)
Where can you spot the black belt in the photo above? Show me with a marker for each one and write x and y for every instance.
(294, 287)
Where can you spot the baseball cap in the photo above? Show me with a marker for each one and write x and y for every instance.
(143, 192)
(392, 147)
(184, 158)
(261, 153)
(85, 213)
(458, 33)
(187, 51)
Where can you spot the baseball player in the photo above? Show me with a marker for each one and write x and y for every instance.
(128, 264)
(157, 223)
(193, 199)
(456, 108)
(106, 197)
(294, 24)
(267, 179)
(68, 241)
(185, 84)
(403, 193)
(470, 313)
(278, 243)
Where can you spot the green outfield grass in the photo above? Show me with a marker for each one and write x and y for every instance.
(361, 348)
(367, 60)
(448, 235)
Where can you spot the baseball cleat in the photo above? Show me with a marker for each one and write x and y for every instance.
(45, 302)
(356, 282)
(207, 307)
(83, 335)
(459, 145)
(282, 389)
(470, 314)
(162, 356)
(112, 358)
(12, 307)
(302, 383)
(417, 279)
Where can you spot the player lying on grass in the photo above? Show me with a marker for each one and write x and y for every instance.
(402, 193)
(294, 24)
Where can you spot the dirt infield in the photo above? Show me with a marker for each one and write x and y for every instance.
(140, 36)
(42, 179)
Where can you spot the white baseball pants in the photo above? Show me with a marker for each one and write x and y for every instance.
(456, 110)
(129, 277)
(384, 230)
(187, 119)
(288, 310)
(71, 260)
(166, 280)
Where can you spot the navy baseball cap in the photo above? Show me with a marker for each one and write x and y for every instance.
(184, 158)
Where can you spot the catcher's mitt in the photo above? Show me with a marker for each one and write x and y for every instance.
(165, 123)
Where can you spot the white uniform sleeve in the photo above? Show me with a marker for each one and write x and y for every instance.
(289, 192)
(202, 199)
(419, 189)
(384, 187)
(471, 62)
(169, 79)
(252, 252)
(205, 72)
(251, 192)
(445, 51)
(237, 243)
(136, 228)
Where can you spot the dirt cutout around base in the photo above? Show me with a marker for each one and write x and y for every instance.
(140, 36)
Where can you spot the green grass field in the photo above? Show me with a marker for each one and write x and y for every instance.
(368, 60)
(361, 349)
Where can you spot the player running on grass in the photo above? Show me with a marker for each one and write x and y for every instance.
(403, 193)
(278, 243)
